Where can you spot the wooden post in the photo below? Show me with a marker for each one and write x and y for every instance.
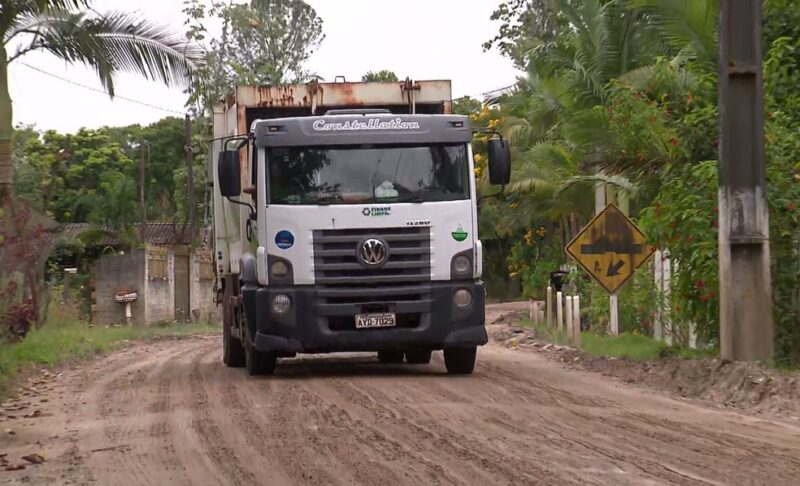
(560, 311)
(569, 318)
(549, 307)
(576, 321)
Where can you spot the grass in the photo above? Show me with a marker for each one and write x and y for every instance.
(636, 347)
(65, 338)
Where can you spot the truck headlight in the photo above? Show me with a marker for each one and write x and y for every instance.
(281, 304)
(279, 269)
(461, 267)
(461, 264)
(462, 298)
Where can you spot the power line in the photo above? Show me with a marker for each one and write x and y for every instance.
(96, 90)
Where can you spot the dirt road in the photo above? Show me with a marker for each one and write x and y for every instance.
(171, 413)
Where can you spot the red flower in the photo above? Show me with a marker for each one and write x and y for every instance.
(689, 98)
(688, 238)
(699, 284)
(791, 206)
(703, 298)
(711, 294)
(716, 210)
(674, 142)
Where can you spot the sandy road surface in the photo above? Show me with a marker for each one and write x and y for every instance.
(171, 413)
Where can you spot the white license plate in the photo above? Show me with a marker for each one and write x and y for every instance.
(364, 321)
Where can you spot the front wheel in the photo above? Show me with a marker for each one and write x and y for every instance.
(257, 363)
(460, 361)
(232, 349)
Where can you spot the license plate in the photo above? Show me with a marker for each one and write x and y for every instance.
(365, 321)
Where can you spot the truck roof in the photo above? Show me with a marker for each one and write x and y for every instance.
(355, 129)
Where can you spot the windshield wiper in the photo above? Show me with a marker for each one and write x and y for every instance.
(415, 197)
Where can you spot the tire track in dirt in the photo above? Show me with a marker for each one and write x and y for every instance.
(171, 413)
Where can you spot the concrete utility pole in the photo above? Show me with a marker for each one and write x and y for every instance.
(190, 176)
(746, 331)
(143, 222)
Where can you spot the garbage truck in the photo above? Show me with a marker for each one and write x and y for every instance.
(345, 220)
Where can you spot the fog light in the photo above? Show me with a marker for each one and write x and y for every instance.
(279, 269)
(461, 264)
(462, 298)
(281, 304)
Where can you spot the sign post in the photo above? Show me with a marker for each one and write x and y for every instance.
(610, 248)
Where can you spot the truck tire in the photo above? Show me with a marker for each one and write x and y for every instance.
(418, 356)
(390, 357)
(232, 349)
(460, 361)
(257, 363)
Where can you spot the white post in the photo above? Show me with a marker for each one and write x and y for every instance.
(614, 321)
(531, 312)
(692, 335)
(560, 311)
(576, 321)
(549, 307)
(667, 323)
(569, 318)
(658, 278)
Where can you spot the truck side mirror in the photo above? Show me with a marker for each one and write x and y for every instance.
(229, 173)
(499, 161)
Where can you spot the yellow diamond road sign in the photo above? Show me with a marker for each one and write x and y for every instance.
(610, 248)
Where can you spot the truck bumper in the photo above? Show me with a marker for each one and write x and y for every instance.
(315, 325)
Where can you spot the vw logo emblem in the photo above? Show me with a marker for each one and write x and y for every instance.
(373, 252)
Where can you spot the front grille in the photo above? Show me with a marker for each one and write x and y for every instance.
(335, 261)
(346, 287)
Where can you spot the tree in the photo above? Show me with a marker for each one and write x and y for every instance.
(109, 43)
(466, 105)
(382, 76)
(262, 42)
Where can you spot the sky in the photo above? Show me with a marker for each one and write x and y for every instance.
(421, 39)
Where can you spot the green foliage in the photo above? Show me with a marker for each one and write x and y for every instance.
(382, 76)
(624, 94)
(466, 105)
(93, 175)
(66, 337)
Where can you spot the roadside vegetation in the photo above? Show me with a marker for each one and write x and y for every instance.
(623, 94)
(66, 337)
(632, 345)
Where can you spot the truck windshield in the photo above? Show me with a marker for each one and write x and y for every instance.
(352, 175)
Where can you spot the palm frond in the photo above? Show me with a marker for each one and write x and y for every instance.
(112, 43)
(684, 23)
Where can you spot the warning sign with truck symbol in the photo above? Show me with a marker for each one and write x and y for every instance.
(610, 248)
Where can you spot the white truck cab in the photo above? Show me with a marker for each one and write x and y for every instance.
(351, 230)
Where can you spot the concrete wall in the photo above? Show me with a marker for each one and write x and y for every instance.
(151, 273)
(160, 290)
(111, 274)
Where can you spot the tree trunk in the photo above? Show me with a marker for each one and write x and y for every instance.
(6, 129)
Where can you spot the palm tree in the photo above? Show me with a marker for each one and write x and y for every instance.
(109, 43)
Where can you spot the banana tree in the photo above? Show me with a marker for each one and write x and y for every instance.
(109, 43)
